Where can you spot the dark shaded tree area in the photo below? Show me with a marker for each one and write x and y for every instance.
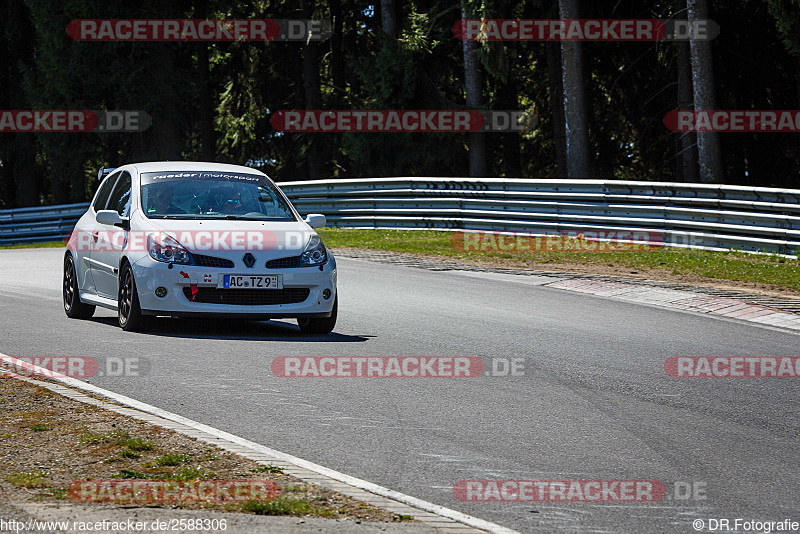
(213, 101)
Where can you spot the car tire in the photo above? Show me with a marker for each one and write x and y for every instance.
(129, 313)
(323, 325)
(73, 307)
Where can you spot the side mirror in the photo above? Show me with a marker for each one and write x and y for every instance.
(109, 217)
(315, 220)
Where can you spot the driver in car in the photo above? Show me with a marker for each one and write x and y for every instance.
(232, 202)
(161, 203)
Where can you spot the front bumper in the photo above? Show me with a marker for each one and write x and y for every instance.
(151, 274)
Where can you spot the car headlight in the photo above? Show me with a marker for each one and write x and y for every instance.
(315, 252)
(164, 247)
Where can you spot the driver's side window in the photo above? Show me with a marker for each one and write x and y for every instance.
(104, 192)
(120, 200)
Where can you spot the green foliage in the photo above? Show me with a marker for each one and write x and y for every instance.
(787, 22)
(31, 479)
(169, 460)
(130, 473)
(117, 438)
(280, 506)
(189, 473)
(630, 87)
(267, 469)
(137, 444)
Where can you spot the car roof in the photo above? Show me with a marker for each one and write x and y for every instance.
(157, 166)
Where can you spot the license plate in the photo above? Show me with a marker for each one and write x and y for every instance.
(246, 281)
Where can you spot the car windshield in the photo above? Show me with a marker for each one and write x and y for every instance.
(212, 195)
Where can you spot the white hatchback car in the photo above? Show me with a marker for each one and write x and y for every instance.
(188, 239)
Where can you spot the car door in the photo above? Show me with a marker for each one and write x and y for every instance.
(83, 235)
(109, 241)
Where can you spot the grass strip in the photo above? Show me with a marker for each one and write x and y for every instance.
(778, 271)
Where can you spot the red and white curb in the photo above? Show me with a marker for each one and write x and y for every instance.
(429, 514)
(682, 300)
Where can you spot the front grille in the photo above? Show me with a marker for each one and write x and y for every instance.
(211, 261)
(248, 297)
(284, 263)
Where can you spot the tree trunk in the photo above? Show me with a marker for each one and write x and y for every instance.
(473, 87)
(315, 157)
(18, 157)
(797, 78)
(686, 165)
(389, 18)
(338, 74)
(575, 119)
(59, 188)
(7, 73)
(507, 99)
(27, 184)
(206, 105)
(79, 182)
(556, 90)
(708, 147)
(165, 133)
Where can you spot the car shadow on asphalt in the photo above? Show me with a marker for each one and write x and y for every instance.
(236, 329)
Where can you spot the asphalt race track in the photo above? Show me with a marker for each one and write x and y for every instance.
(594, 402)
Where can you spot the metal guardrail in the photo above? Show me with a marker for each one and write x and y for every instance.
(39, 225)
(717, 217)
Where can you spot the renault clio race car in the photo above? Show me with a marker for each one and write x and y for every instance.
(188, 239)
